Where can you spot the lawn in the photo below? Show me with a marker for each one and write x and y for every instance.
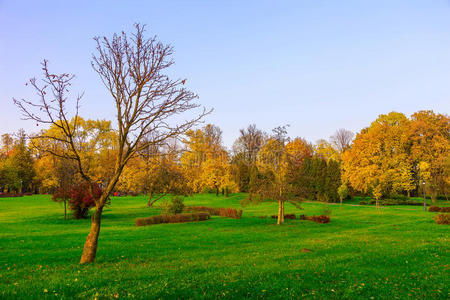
(397, 252)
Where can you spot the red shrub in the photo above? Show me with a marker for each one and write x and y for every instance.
(434, 208)
(230, 213)
(321, 219)
(81, 199)
(178, 218)
(288, 216)
(211, 210)
(223, 212)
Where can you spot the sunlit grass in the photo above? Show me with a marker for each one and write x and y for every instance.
(362, 253)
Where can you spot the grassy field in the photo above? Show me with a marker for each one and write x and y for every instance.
(397, 252)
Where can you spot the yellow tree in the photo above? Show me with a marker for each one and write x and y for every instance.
(430, 134)
(378, 161)
(274, 161)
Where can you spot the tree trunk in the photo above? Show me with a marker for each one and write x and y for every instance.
(149, 203)
(217, 191)
(90, 247)
(226, 192)
(65, 209)
(409, 194)
(280, 211)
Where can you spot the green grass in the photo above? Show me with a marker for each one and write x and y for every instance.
(398, 252)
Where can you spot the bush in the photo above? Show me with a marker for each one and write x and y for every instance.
(223, 212)
(321, 219)
(178, 218)
(434, 208)
(176, 206)
(211, 210)
(318, 219)
(442, 219)
(81, 199)
(230, 213)
(288, 216)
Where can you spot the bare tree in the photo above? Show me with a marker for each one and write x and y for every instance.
(147, 101)
(342, 139)
(249, 143)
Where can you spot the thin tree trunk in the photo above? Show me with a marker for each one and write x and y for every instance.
(217, 191)
(90, 247)
(226, 192)
(279, 213)
(149, 203)
(282, 212)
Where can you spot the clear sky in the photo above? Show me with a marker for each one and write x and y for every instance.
(316, 65)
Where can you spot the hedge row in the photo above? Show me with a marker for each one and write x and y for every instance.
(287, 216)
(390, 202)
(223, 212)
(318, 219)
(178, 218)
(439, 209)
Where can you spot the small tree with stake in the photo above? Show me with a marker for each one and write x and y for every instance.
(146, 101)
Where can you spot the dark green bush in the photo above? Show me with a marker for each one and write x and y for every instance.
(176, 206)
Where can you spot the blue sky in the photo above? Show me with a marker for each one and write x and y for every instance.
(316, 65)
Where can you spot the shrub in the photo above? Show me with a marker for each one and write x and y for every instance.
(302, 217)
(177, 218)
(442, 219)
(176, 206)
(81, 199)
(434, 208)
(230, 213)
(290, 216)
(211, 210)
(223, 212)
(321, 219)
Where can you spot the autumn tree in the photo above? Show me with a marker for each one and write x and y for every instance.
(205, 161)
(273, 166)
(430, 136)
(378, 161)
(146, 100)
